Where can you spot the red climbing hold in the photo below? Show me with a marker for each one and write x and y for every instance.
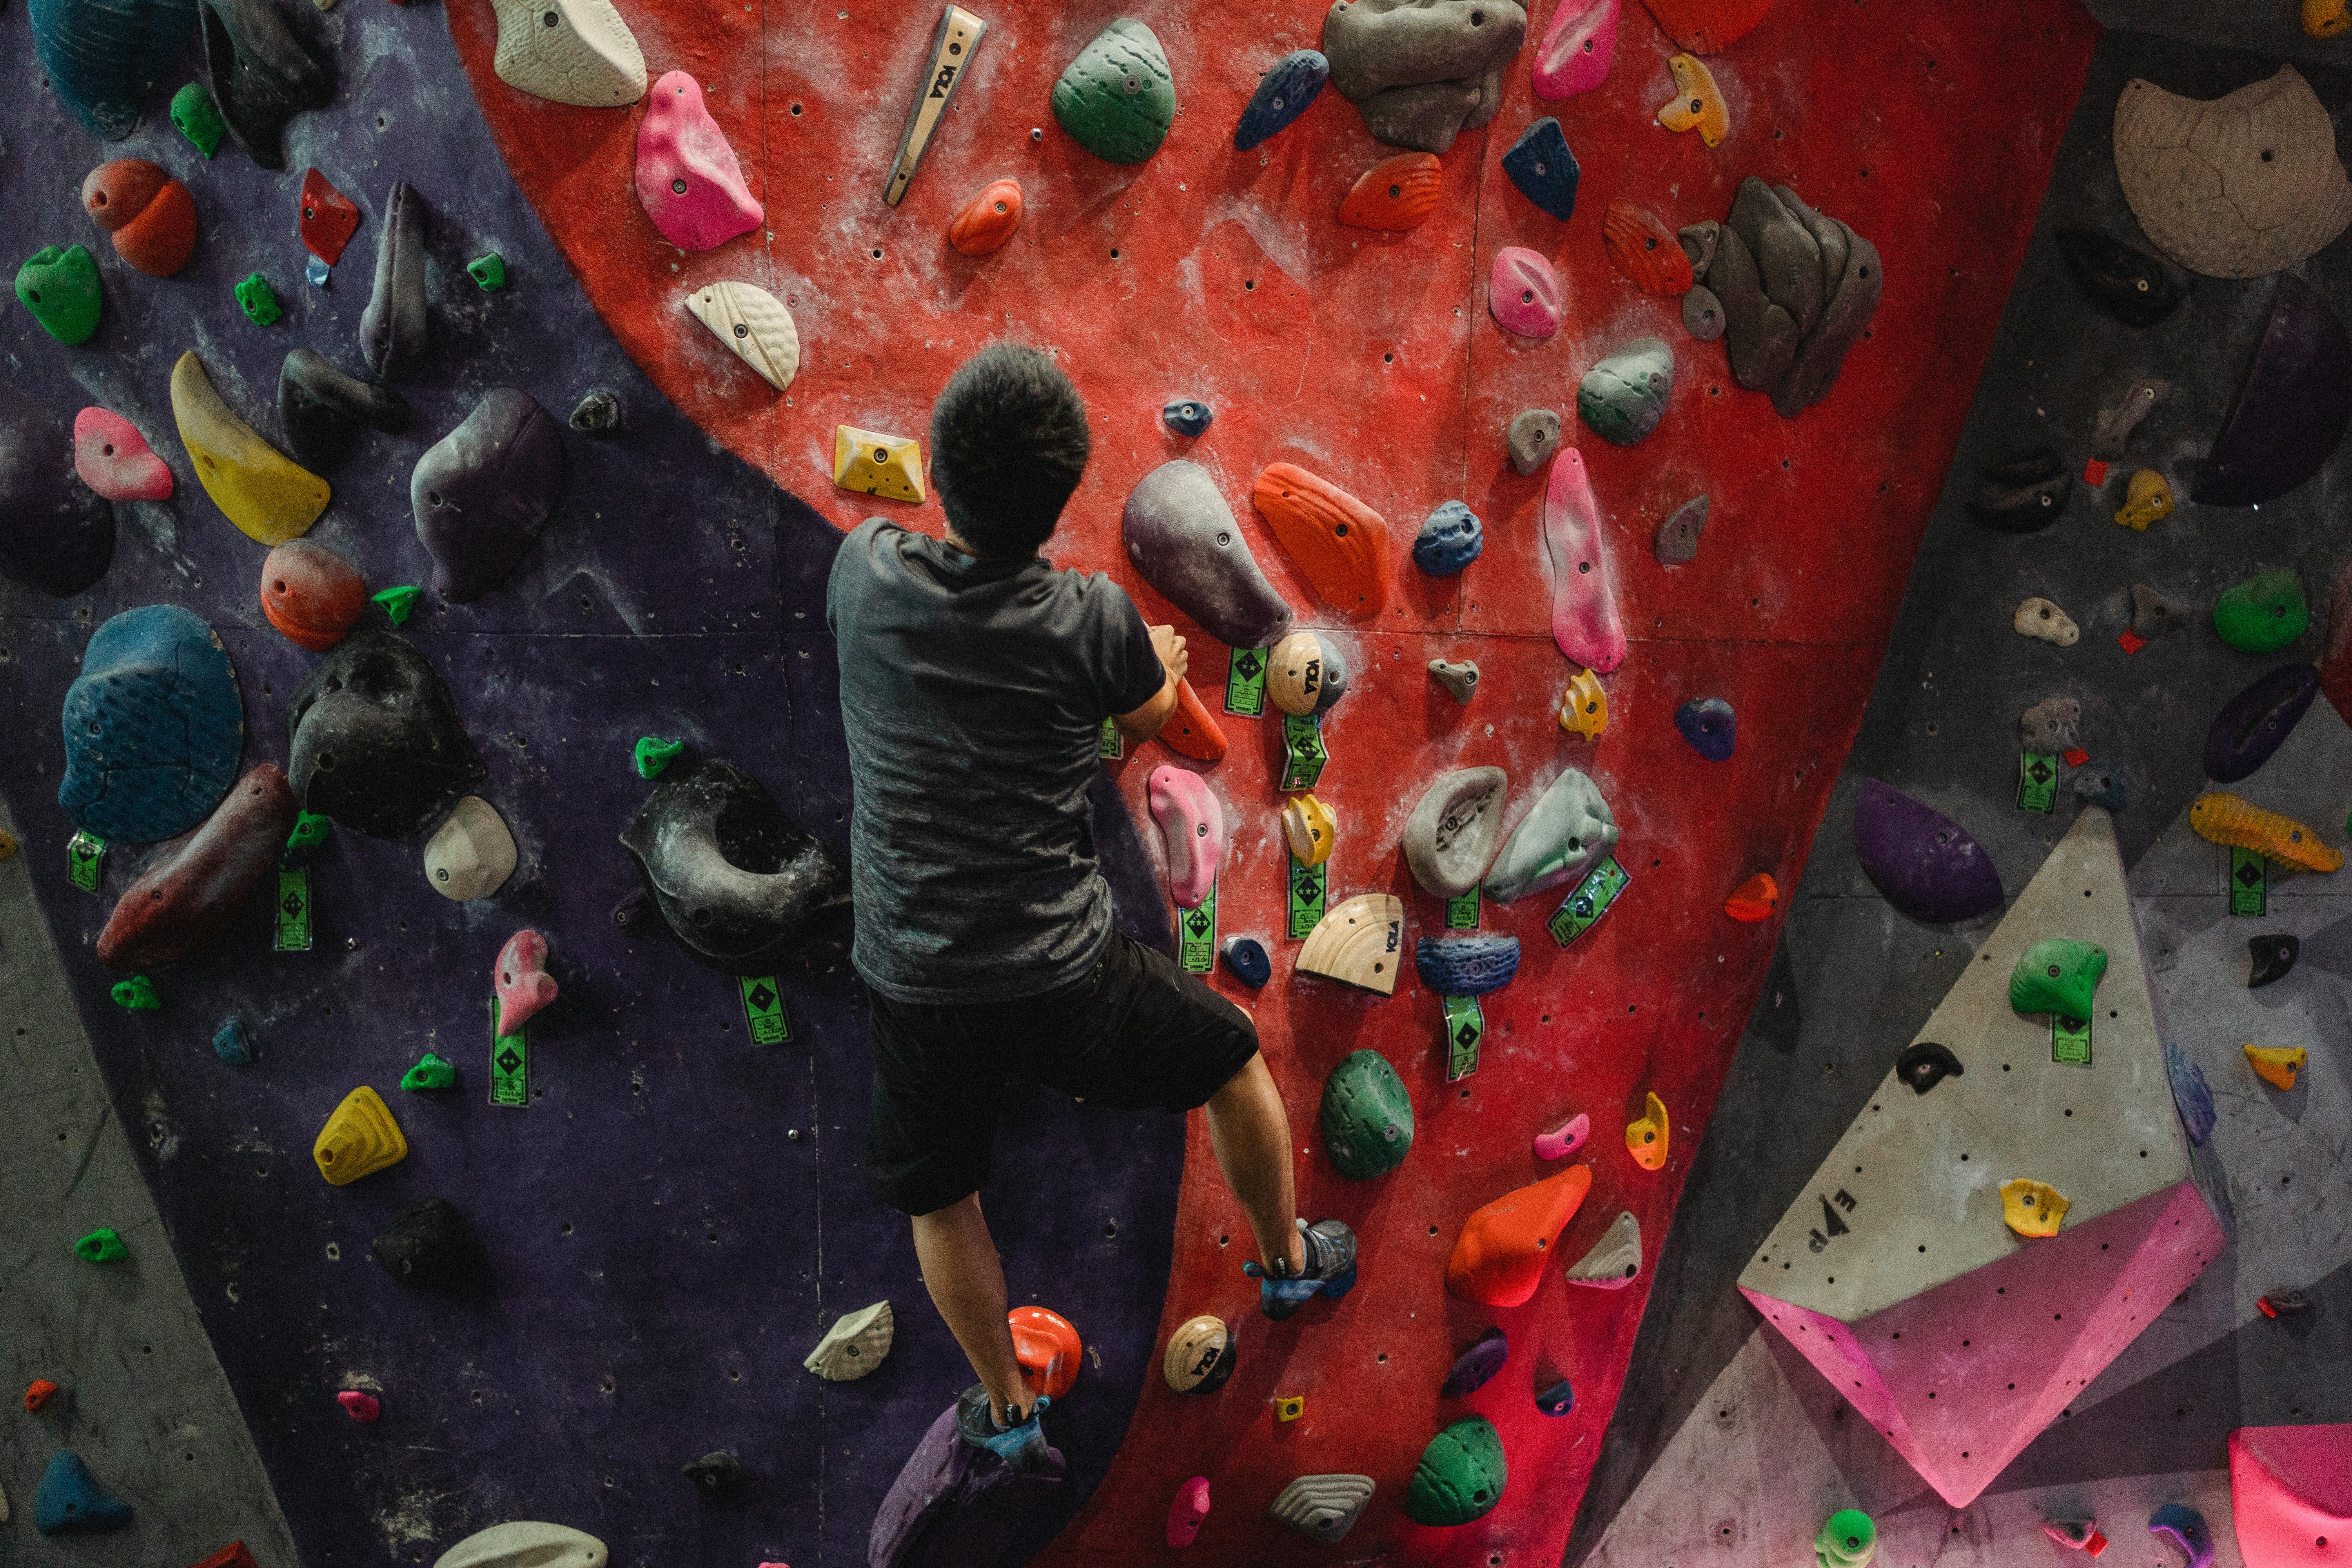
(1755, 899)
(329, 218)
(195, 885)
(150, 214)
(524, 985)
(1048, 1350)
(1646, 250)
(233, 1555)
(312, 593)
(988, 220)
(40, 1392)
(1498, 1258)
(1395, 194)
(360, 1408)
(1340, 545)
(1192, 731)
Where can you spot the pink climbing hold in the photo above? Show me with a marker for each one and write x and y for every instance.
(1523, 292)
(2291, 1495)
(360, 1408)
(1187, 1512)
(115, 460)
(1192, 827)
(523, 982)
(1566, 1140)
(1583, 601)
(687, 177)
(1574, 56)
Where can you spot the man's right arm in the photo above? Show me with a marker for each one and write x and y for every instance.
(1146, 721)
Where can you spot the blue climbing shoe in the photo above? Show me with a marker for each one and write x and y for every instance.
(1022, 1446)
(1330, 1270)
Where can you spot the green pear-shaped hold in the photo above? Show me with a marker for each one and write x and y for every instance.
(198, 118)
(1118, 98)
(2058, 978)
(60, 287)
(430, 1072)
(2261, 615)
(1367, 1117)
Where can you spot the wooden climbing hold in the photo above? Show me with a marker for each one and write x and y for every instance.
(1754, 899)
(854, 1345)
(2147, 498)
(1460, 1475)
(954, 43)
(1188, 1512)
(1282, 93)
(1199, 1356)
(1049, 1349)
(269, 497)
(688, 178)
(361, 1407)
(524, 987)
(2263, 614)
(1117, 98)
(360, 1138)
(471, 855)
(2038, 617)
(1395, 194)
(987, 221)
(1498, 1258)
(2223, 818)
(1192, 730)
(1645, 250)
(1584, 706)
(150, 214)
(1523, 293)
(1358, 942)
(329, 220)
(114, 459)
(1615, 1259)
(60, 287)
(1366, 1118)
(1192, 830)
(873, 464)
(1339, 543)
(2032, 1209)
(1564, 1140)
(38, 1393)
(310, 594)
(1646, 1138)
(1540, 166)
(2277, 1065)
(1577, 47)
(569, 51)
(755, 324)
(1697, 104)
(1585, 620)
(1304, 674)
(2058, 975)
(1307, 826)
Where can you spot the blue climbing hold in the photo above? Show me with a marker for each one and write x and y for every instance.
(152, 727)
(1557, 1400)
(1474, 1367)
(2101, 786)
(1543, 168)
(2190, 1095)
(1449, 540)
(72, 1500)
(1246, 959)
(231, 1043)
(1707, 724)
(1467, 965)
(1282, 93)
(103, 55)
(2185, 1527)
(1187, 416)
(315, 273)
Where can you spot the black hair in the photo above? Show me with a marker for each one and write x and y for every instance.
(1008, 444)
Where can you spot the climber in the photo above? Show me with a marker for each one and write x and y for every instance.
(975, 679)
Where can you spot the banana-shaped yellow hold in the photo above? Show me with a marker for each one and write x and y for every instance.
(2226, 819)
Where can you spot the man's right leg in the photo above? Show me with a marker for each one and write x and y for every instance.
(1251, 1133)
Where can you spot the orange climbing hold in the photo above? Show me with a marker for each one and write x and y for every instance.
(1394, 193)
(1049, 1349)
(1646, 1140)
(1755, 900)
(1646, 250)
(2277, 1065)
(1707, 26)
(2226, 819)
(1697, 104)
(1190, 730)
(1341, 543)
(40, 1392)
(1498, 1258)
(988, 219)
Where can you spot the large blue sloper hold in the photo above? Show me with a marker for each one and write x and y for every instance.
(1467, 965)
(1282, 93)
(153, 727)
(1544, 170)
(72, 1502)
(103, 55)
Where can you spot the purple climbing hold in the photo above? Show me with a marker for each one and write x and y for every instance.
(57, 534)
(2184, 1528)
(1920, 861)
(483, 491)
(2294, 408)
(954, 1505)
(1476, 1366)
(1181, 535)
(2190, 1097)
(1710, 726)
(2257, 721)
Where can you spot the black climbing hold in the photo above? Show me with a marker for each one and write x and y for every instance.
(735, 880)
(376, 744)
(1543, 169)
(392, 328)
(481, 493)
(598, 413)
(2023, 494)
(264, 74)
(2256, 723)
(2122, 280)
(57, 534)
(1246, 961)
(2273, 955)
(1926, 1064)
(429, 1247)
(1559, 1399)
(323, 411)
(718, 1475)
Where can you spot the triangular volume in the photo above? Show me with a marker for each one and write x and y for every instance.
(1895, 1273)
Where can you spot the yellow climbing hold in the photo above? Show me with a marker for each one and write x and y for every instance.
(1697, 103)
(7, 844)
(269, 495)
(2276, 1065)
(1646, 1140)
(876, 465)
(2032, 1209)
(359, 1138)
(2325, 18)
(1290, 1406)
(1584, 707)
(2225, 818)
(1306, 823)
(2149, 499)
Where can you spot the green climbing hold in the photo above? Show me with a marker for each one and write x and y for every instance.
(1848, 1540)
(60, 287)
(1118, 98)
(198, 117)
(1460, 1476)
(398, 602)
(258, 301)
(1367, 1117)
(489, 271)
(2057, 977)
(430, 1072)
(2261, 615)
(310, 830)
(101, 1245)
(655, 753)
(137, 994)
(1622, 398)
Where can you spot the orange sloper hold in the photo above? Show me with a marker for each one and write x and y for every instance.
(988, 219)
(1191, 732)
(1754, 899)
(1646, 250)
(1395, 194)
(1498, 1260)
(1707, 26)
(1049, 1349)
(1341, 543)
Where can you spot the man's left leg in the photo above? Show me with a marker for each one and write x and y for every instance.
(966, 1279)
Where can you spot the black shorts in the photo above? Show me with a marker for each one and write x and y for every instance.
(1138, 1031)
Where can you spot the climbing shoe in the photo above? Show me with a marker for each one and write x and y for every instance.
(1022, 1446)
(1330, 1270)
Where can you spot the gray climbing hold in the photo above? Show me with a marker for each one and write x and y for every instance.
(1421, 71)
(1533, 437)
(1677, 540)
(1450, 836)
(1699, 241)
(1787, 257)
(392, 328)
(2023, 493)
(1181, 537)
(1797, 288)
(1614, 1260)
(264, 73)
(1853, 302)
(375, 741)
(1703, 314)
(2111, 433)
(1323, 1508)
(1569, 828)
(526, 1543)
(1759, 338)
(481, 493)
(2051, 725)
(2190, 1096)
(2155, 613)
(1622, 398)
(854, 1345)
(598, 413)
(1460, 680)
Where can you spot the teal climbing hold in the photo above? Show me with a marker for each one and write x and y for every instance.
(137, 994)
(1848, 1539)
(2263, 614)
(72, 1502)
(101, 1245)
(398, 602)
(1118, 98)
(655, 754)
(1460, 1476)
(60, 287)
(2058, 978)
(199, 118)
(258, 301)
(231, 1043)
(1622, 398)
(1367, 1117)
(429, 1073)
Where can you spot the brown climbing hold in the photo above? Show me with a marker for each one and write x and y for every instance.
(1645, 250)
(2235, 187)
(312, 593)
(1192, 731)
(2155, 613)
(1395, 194)
(151, 216)
(1498, 1258)
(988, 220)
(1339, 543)
(2112, 431)
(1646, 1138)
(1358, 942)
(194, 887)
(1754, 899)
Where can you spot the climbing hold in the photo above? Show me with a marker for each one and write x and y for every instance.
(1306, 674)
(70, 1500)
(1421, 73)
(1356, 942)
(193, 113)
(1700, 241)
(360, 1138)
(1395, 194)
(1465, 965)
(2122, 280)
(1564, 1140)
(2038, 617)
(429, 1247)
(231, 1043)
(2224, 818)
(751, 322)
(854, 1345)
(718, 1475)
(2277, 1065)
(329, 220)
(1118, 98)
(871, 463)
(2025, 493)
(1284, 91)
(1754, 899)
(322, 410)
(359, 1406)
(2263, 614)
(1847, 1539)
(1323, 1508)
(263, 72)
(191, 891)
(569, 51)
(1182, 539)
(2155, 613)
(525, 1543)
(1798, 289)
(1574, 55)
(987, 221)
(1461, 1474)
(481, 493)
(1540, 166)
(1188, 1512)
(310, 594)
(1697, 104)
(398, 602)
(1339, 543)
(1452, 833)
(1623, 396)
(1192, 831)
(1583, 598)
(1710, 727)
(136, 995)
(2235, 186)
(1924, 1064)
(1460, 680)
(1646, 1139)
(101, 1246)
(376, 744)
(272, 498)
(2101, 787)
(393, 332)
(1703, 314)
(1450, 538)
(38, 1393)
(1568, 828)
(2112, 432)
(1192, 732)
(150, 214)
(1307, 826)
(152, 725)
(488, 272)
(2032, 1209)
(2255, 722)
(1523, 292)
(1245, 959)
(2323, 19)
(2050, 726)
(2184, 1526)
(1187, 416)
(1476, 1366)
(471, 854)
(1584, 707)
(316, 273)
(524, 984)
(598, 411)
(1199, 1356)
(2294, 406)
(57, 534)
(1555, 1398)
(1532, 438)
(688, 178)
(2190, 1097)
(60, 289)
(2273, 956)
(103, 57)
(1047, 1348)
(311, 831)
(430, 1073)
(2147, 498)
(258, 301)
(2283, 1303)
(654, 754)
(737, 881)
(1498, 1258)
(1614, 1260)
(1646, 251)
(114, 459)
(2058, 977)
(1678, 538)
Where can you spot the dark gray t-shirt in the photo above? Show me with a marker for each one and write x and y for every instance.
(974, 694)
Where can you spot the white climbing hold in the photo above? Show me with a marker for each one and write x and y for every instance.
(471, 854)
(1614, 1260)
(569, 51)
(526, 1543)
(755, 324)
(2038, 617)
(1323, 1508)
(854, 1347)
